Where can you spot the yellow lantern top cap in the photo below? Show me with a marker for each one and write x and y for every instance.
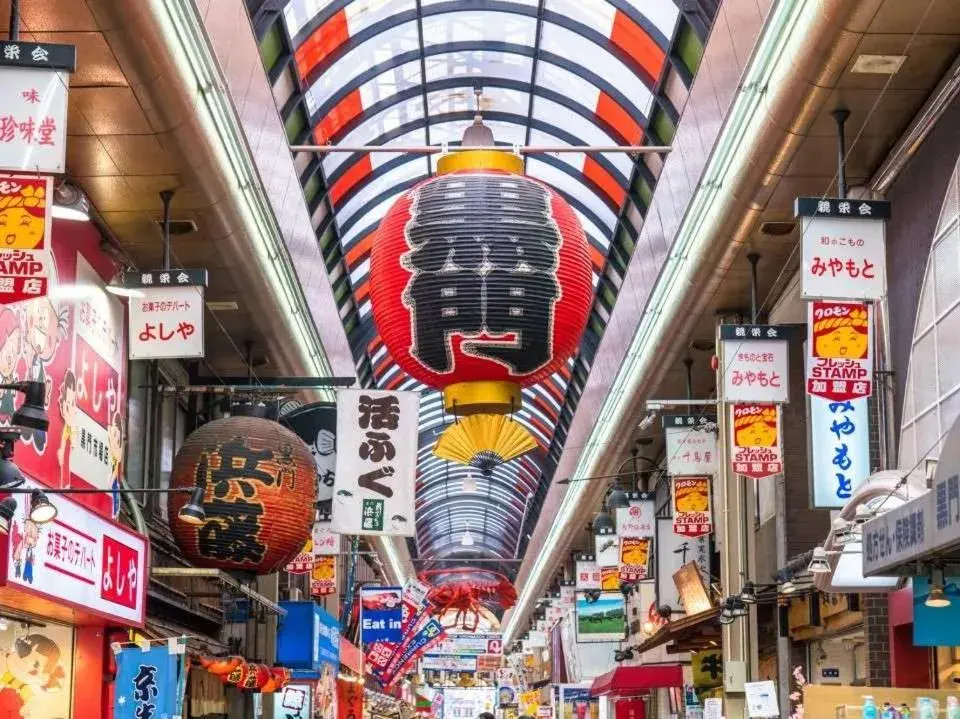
(502, 160)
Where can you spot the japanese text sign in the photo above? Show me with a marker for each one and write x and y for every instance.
(470, 644)
(691, 444)
(33, 118)
(428, 635)
(637, 520)
(293, 702)
(167, 323)
(303, 562)
(839, 352)
(150, 684)
(413, 599)
(757, 450)
(607, 549)
(26, 209)
(377, 445)
(79, 559)
(635, 558)
(691, 506)
(840, 449)
(843, 248)
(755, 363)
(588, 574)
(673, 551)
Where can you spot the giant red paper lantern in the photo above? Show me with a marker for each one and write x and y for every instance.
(259, 486)
(480, 281)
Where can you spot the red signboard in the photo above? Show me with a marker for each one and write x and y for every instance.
(25, 263)
(757, 451)
(839, 354)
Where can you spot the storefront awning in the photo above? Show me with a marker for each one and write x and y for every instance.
(700, 628)
(629, 681)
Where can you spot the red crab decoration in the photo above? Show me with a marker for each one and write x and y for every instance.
(465, 597)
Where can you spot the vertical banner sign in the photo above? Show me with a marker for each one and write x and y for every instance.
(380, 615)
(691, 506)
(673, 552)
(376, 462)
(635, 558)
(607, 549)
(413, 601)
(166, 319)
(637, 520)
(691, 444)
(756, 363)
(840, 456)
(325, 545)
(426, 636)
(757, 450)
(26, 259)
(316, 424)
(149, 684)
(33, 95)
(588, 574)
(844, 248)
(839, 361)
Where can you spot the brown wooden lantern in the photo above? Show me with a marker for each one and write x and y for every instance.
(258, 484)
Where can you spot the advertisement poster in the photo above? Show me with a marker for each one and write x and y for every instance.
(376, 465)
(839, 353)
(635, 558)
(575, 702)
(149, 683)
(294, 701)
(588, 574)
(756, 363)
(637, 520)
(691, 444)
(380, 615)
(468, 703)
(757, 450)
(844, 248)
(303, 562)
(323, 575)
(610, 577)
(691, 506)
(413, 599)
(603, 620)
(47, 692)
(840, 449)
(316, 424)
(26, 261)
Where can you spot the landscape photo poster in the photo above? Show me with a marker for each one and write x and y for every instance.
(603, 620)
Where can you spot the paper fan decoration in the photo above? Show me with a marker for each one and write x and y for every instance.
(484, 441)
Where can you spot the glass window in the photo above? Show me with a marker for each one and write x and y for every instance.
(479, 63)
(478, 26)
(571, 186)
(371, 190)
(462, 99)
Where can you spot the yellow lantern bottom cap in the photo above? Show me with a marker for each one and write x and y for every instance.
(467, 398)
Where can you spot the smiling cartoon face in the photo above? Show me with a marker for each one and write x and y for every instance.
(693, 501)
(842, 342)
(34, 660)
(22, 216)
(757, 434)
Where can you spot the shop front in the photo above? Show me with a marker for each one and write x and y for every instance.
(308, 644)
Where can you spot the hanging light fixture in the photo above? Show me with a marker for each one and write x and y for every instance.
(469, 483)
(617, 499)
(192, 512)
(819, 564)
(467, 539)
(70, 203)
(118, 287)
(788, 587)
(748, 595)
(42, 509)
(603, 524)
(937, 599)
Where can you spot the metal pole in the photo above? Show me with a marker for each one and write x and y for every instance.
(753, 258)
(840, 115)
(519, 149)
(14, 20)
(167, 197)
(91, 490)
(688, 363)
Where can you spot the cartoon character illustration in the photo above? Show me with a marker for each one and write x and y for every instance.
(842, 337)
(23, 218)
(757, 430)
(115, 445)
(692, 499)
(31, 667)
(68, 410)
(24, 544)
(10, 348)
(324, 451)
(45, 327)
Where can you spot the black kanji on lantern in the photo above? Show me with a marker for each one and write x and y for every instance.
(484, 257)
(232, 531)
(238, 467)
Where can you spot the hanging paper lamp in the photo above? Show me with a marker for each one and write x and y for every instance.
(481, 284)
(256, 487)
(220, 666)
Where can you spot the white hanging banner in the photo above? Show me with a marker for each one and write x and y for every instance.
(756, 363)
(844, 248)
(607, 550)
(839, 351)
(377, 434)
(637, 520)
(33, 126)
(691, 443)
(166, 315)
(588, 574)
(672, 551)
(840, 449)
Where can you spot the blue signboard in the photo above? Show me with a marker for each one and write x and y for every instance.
(381, 615)
(307, 637)
(149, 684)
(936, 626)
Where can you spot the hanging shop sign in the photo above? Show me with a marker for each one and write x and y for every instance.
(840, 449)
(295, 701)
(568, 593)
(33, 95)
(757, 449)
(428, 635)
(376, 463)
(149, 683)
(707, 668)
(381, 615)
(844, 248)
(673, 551)
(602, 620)
(637, 520)
(489, 662)
(691, 506)
(635, 556)
(323, 576)
(470, 644)
(691, 444)
(692, 589)
(756, 365)
(258, 482)
(448, 663)
(26, 259)
(166, 322)
(80, 559)
(413, 600)
(610, 577)
(316, 425)
(445, 298)
(307, 638)
(588, 573)
(839, 353)
(555, 614)
(607, 549)
(303, 562)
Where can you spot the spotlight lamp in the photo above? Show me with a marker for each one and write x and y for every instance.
(32, 413)
(192, 512)
(8, 507)
(937, 599)
(42, 509)
(819, 564)
(617, 499)
(748, 595)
